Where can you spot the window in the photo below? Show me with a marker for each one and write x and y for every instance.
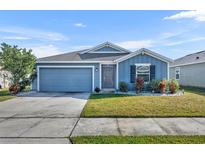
(177, 73)
(143, 71)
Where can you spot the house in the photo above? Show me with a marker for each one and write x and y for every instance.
(189, 70)
(5, 80)
(102, 66)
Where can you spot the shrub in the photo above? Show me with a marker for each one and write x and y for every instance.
(27, 89)
(162, 86)
(123, 86)
(97, 89)
(154, 84)
(14, 89)
(139, 84)
(173, 86)
(24, 83)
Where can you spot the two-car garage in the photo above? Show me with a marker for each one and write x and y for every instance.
(65, 79)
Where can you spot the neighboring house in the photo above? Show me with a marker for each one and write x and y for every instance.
(103, 66)
(5, 76)
(189, 70)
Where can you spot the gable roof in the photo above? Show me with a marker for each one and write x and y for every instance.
(87, 55)
(117, 49)
(145, 51)
(194, 58)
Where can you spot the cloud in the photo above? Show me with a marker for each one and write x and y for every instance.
(185, 41)
(34, 33)
(196, 15)
(81, 47)
(15, 38)
(136, 44)
(80, 25)
(169, 35)
(45, 50)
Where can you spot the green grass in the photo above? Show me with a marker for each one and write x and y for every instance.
(192, 103)
(5, 95)
(138, 140)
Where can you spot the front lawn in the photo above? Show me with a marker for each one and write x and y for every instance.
(192, 103)
(138, 140)
(5, 95)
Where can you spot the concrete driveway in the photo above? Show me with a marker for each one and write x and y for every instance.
(40, 117)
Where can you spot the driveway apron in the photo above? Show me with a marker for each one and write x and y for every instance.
(40, 117)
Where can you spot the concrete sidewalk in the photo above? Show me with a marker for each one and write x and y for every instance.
(139, 126)
(59, 130)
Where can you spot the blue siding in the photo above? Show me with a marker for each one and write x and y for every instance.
(124, 68)
(106, 49)
(34, 84)
(96, 73)
(66, 79)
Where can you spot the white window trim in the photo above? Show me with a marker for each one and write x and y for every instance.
(177, 69)
(143, 64)
(38, 73)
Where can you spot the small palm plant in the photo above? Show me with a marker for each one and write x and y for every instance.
(139, 84)
(162, 86)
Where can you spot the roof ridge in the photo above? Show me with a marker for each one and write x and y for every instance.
(77, 51)
(195, 53)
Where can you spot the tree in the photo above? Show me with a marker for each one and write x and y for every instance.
(20, 62)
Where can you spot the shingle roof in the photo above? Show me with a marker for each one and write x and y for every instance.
(77, 56)
(197, 57)
(94, 54)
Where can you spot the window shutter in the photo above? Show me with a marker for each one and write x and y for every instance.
(152, 72)
(132, 73)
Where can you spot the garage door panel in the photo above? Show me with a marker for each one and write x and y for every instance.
(66, 79)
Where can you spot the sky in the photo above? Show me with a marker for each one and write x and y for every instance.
(170, 33)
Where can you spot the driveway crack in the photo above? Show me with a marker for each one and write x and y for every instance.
(73, 128)
(32, 126)
(118, 127)
(162, 127)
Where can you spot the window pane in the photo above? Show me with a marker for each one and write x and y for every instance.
(144, 76)
(177, 76)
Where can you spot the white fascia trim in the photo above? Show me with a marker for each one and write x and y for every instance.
(147, 52)
(110, 62)
(157, 57)
(187, 64)
(38, 73)
(100, 75)
(117, 76)
(105, 52)
(71, 62)
(106, 44)
(127, 56)
(167, 71)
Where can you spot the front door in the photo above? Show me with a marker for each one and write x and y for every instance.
(108, 76)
